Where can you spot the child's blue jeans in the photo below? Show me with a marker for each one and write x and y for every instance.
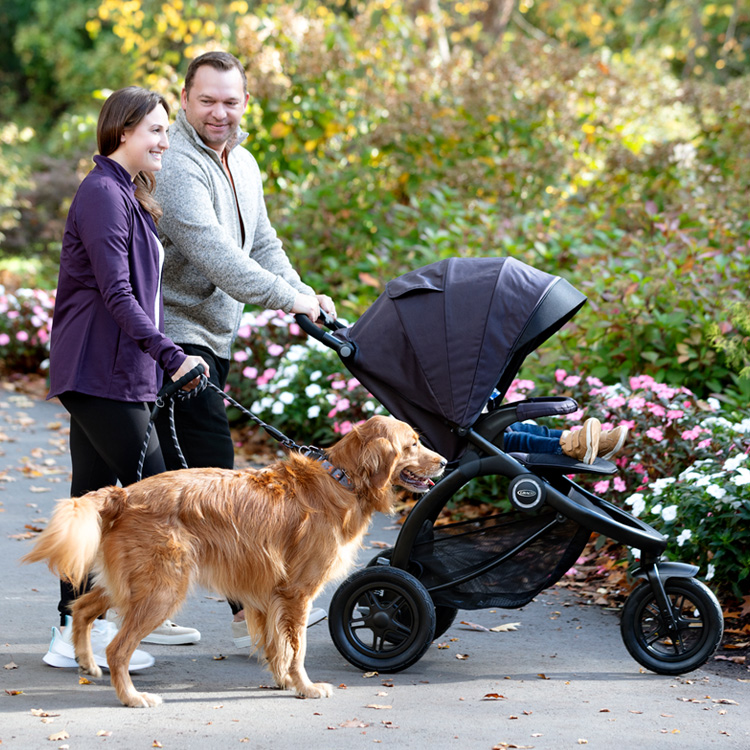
(531, 438)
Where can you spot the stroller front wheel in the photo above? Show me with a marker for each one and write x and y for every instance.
(699, 626)
(382, 619)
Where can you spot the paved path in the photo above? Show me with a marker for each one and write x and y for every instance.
(562, 679)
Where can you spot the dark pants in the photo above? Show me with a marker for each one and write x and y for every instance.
(201, 424)
(106, 438)
(531, 438)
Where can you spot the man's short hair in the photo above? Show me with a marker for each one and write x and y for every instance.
(218, 60)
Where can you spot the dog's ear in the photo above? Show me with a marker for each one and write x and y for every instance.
(379, 459)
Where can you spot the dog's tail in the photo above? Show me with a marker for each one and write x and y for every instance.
(72, 538)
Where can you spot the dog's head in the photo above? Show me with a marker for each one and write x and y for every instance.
(384, 451)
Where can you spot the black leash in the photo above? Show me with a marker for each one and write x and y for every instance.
(174, 390)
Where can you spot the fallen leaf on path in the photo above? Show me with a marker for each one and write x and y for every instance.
(725, 701)
(104, 733)
(380, 545)
(507, 628)
(511, 746)
(11, 665)
(41, 712)
(443, 645)
(492, 697)
(462, 657)
(83, 681)
(38, 489)
(734, 659)
(370, 674)
(474, 626)
(57, 736)
(377, 706)
(220, 657)
(543, 676)
(14, 692)
(354, 724)
(156, 743)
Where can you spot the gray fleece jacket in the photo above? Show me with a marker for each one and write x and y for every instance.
(209, 271)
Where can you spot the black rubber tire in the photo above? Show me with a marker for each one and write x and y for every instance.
(699, 619)
(445, 616)
(382, 619)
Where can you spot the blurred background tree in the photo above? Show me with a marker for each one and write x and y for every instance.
(606, 141)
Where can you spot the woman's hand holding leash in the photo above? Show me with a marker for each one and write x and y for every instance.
(191, 362)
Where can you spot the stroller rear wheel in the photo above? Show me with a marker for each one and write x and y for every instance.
(699, 620)
(382, 619)
(444, 614)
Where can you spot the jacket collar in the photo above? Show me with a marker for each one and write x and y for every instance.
(113, 169)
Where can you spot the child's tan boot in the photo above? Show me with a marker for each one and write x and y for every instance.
(582, 444)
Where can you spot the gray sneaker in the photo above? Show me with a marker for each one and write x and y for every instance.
(242, 639)
(167, 634)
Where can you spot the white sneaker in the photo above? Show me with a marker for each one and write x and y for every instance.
(167, 634)
(62, 654)
(242, 638)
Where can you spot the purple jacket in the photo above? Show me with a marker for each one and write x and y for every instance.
(105, 341)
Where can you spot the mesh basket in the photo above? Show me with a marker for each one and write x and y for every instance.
(498, 561)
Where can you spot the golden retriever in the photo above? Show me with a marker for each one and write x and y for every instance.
(269, 538)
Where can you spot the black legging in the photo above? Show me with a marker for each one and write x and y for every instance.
(106, 439)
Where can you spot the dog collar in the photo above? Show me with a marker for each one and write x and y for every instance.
(318, 455)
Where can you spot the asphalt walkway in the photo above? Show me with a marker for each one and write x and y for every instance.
(561, 679)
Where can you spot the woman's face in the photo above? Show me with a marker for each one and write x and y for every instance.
(141, 147)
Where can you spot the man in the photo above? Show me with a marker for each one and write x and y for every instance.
(220, 252)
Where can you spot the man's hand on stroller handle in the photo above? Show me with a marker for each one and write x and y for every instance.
(311, 306)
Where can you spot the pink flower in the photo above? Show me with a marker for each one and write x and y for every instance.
(629, 423)
(619, 484)
(656, 409)
(343, 404)
(704, 443)
(637, 402)
(601, 487)
(337, 385)
(655, 434)
(13, 314)
(346, 427)
(250, 373)
(560, 375)
(641, 381)
(241, 356)
(615, 402)
(691, 434)
(332, 414)
(595, 382)
(275, 350)
(675, 414)
(352, 384)
(22, 336)
(575, 416)
(294, 329)
(572, 380)
(244, 331)
(4, 339)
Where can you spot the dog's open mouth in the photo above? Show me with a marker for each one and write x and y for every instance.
(414, 482)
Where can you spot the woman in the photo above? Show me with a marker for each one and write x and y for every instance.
(107, 350)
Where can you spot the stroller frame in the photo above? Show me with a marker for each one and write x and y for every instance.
(385, 616)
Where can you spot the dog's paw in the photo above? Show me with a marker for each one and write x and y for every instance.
(142, 700)
(92, 669)
(316, 690)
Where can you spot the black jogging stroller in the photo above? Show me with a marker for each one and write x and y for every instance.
(433, 349)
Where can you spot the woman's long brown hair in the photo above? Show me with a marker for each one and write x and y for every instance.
(122, 111)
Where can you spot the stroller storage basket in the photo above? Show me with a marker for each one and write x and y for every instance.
(498, 561)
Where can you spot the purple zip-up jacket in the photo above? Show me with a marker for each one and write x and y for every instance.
(105, 338)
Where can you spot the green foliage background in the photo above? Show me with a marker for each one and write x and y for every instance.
(605, 141)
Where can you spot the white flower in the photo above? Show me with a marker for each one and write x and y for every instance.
(742, 477)
(277, 408)
(313, 412)
(637, 502)
(313, 390)
(315, 375)
(731, 464)
(715, 491)
(714, 404)
(743, 426)
(669, 513)
(710, 572)
(297, 352)
(683, 536)
(689, 475)
(266, 402)
(286, 397)
(658, 486)
(656, 510)
(368, 406)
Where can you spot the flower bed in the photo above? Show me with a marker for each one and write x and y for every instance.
(25, 322)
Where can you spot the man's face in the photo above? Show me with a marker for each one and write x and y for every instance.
(215, 104)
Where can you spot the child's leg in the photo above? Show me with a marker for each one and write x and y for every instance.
(531, 438)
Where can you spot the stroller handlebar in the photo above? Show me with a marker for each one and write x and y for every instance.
(345, 349)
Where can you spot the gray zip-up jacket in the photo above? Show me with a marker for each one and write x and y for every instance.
(209, 272)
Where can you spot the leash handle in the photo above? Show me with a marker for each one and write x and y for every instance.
(175, 385)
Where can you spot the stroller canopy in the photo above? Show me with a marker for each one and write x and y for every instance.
(440, 339)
